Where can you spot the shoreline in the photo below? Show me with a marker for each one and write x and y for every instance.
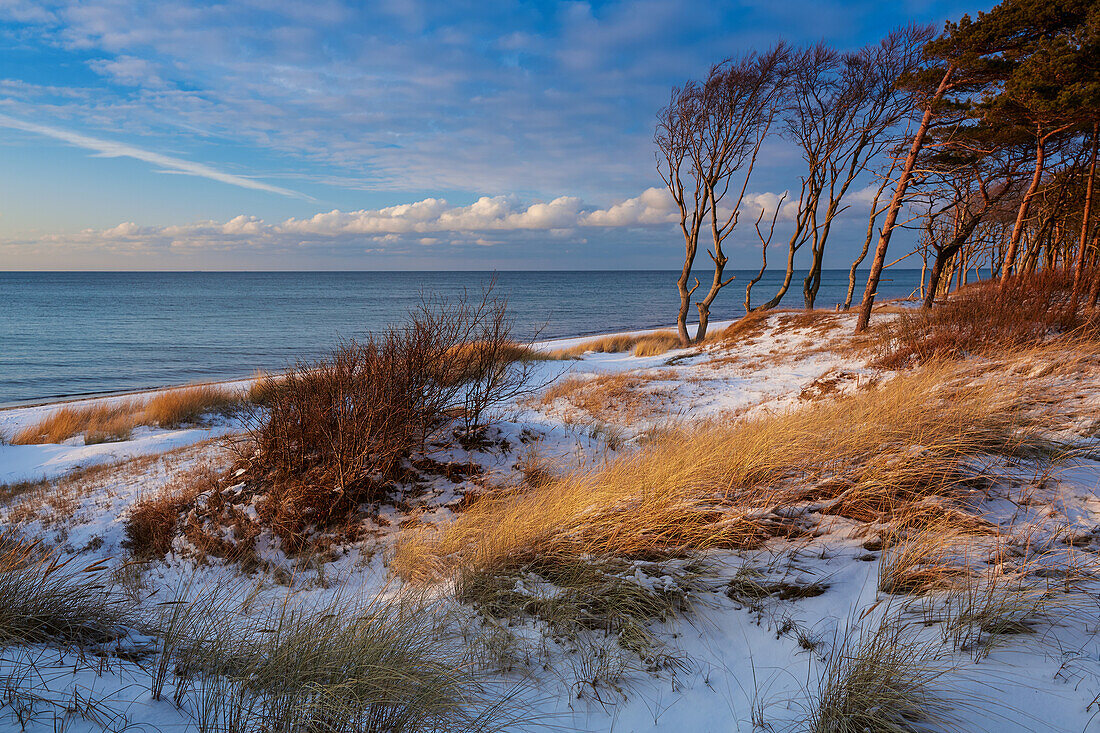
(559, 342)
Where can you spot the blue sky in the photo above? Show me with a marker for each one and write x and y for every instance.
(388, 135)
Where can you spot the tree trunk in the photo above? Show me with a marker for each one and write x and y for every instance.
(1094, 292)
(704, 304)
(685, 302)
(934, 279)
(1021, 215)
(866, 243)
(812, 282)
(1079, 265)
(895, 205)
(786, 281)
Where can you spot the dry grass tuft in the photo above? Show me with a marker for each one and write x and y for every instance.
(984, 319)
(873, 456)
(575, 595)
(186, 406)
(44, 599)
(262, 389)
(115, 420)
(99, 423)
(650, 344)
(882, 680)
(925, 560)
(371, 665)
(626, 397)
(656, 343)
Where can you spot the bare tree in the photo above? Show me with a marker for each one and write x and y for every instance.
(842, 114)
(764, 242)
(929, 107)
(708, 139)
(861, 108)
(871, 219)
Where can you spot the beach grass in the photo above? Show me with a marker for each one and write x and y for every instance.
(113, 420)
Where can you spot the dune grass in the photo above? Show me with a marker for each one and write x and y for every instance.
(719, 484)
(650, 344)
(116, 419)
(621, 398)
(370, 664)
(986, 319)
(882, 678)
(44, 599)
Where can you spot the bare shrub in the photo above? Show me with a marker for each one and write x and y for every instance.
(340, 431)
(986, 318)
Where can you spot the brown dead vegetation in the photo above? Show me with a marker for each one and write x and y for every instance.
(151, 523)
(54, 502)
(622, 398)
(356, 428)
(988, 318)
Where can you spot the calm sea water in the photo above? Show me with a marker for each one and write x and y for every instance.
(66, 334)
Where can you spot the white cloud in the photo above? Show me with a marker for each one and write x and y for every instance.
(488, 213)
(111, 149)
(485, 222)
(654, 206)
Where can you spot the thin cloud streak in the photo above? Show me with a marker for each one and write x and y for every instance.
(111, 149)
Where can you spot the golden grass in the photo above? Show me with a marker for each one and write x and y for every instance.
(107, 421)
(925, 560)
(718, 484)
(988, 318)
(184, 406)
(349, 664)
(99, 423)
(650, 344)
(262, 388)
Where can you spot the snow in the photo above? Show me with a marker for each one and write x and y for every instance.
(742, 661)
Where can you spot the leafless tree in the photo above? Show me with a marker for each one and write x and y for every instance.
(842, 113)
(871, 219)
(708, 138)
(764, 243)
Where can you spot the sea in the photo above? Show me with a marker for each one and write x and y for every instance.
(70, 334)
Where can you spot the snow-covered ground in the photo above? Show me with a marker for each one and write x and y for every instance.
(745, 663)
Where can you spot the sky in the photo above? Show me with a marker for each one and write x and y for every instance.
(287, 135)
